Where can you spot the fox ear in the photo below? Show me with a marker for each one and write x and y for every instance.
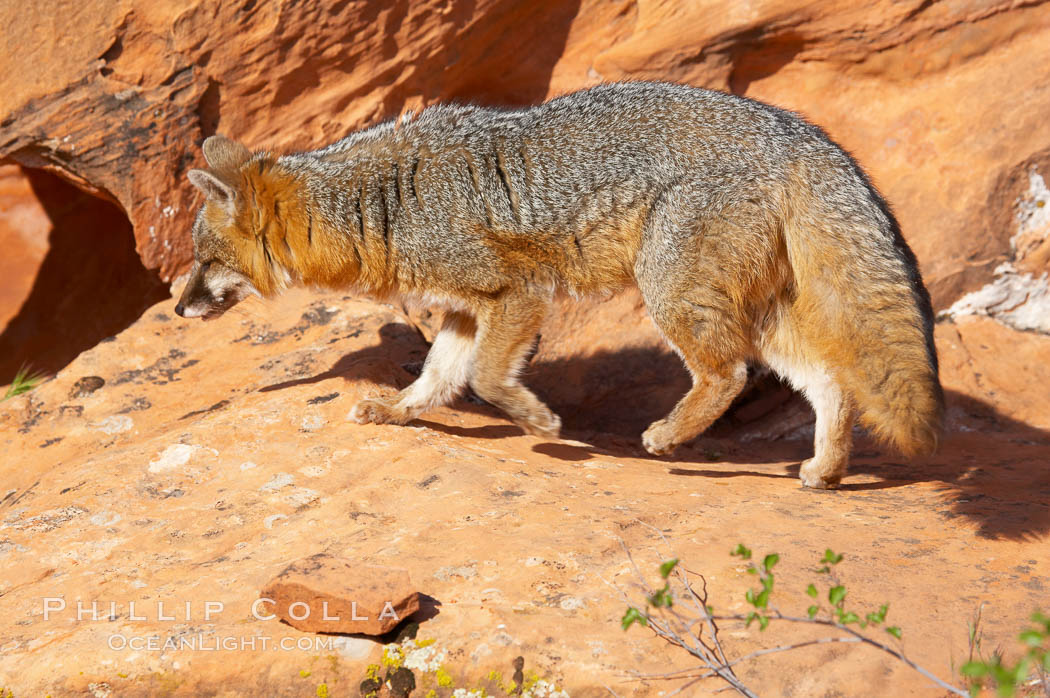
(214, 188)
(224, 155)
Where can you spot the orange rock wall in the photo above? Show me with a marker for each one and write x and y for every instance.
(943, 102)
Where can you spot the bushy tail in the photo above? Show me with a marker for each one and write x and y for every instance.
(861, 305)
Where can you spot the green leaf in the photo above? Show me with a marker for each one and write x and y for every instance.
(812, 611)
(667, 567)
(1007, 679)
(831, 558)
(770, 560)
(668, 599)
(767, 583)
(1032, 638)
(848, 617)
(812, 590)
(762, 600)
(894, 631)
(661, 597)
(763, 622)
(824, 570)
(742, 551)
(974, 670)
(750, 617)
(836, 594)
(749, 596)
(632, 616)
(876, 618)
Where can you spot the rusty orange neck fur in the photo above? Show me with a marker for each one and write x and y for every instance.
(286, 238)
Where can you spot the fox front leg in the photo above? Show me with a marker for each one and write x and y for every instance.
(445, 373)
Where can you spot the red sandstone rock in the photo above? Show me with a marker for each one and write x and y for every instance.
(942, 103)
(216, 452)
(326, 594)
(212, 454)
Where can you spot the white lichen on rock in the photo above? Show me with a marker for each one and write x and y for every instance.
(174, 456)
(117, 424)
(277, 482)
(1020, 300)
(1033, 211)
(426, 657)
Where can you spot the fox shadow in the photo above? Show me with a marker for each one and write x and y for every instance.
(993, 470)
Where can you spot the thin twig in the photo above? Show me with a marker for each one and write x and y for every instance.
(667, 621)
(719, 652)
(864, 639)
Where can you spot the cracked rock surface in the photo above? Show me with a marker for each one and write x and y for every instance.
(244, 461)
(169, 470)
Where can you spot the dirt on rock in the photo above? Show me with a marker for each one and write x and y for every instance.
(242, 460)
(943, 103)
(168, 470)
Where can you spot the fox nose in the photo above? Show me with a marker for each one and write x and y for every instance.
(180, 310)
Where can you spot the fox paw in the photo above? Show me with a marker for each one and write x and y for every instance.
(818, 476)
(547, 425)
(659, 438)
(376, 411)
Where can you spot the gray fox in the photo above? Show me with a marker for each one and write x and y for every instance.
(749, 233)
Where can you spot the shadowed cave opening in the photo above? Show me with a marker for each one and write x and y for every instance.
(88, 282)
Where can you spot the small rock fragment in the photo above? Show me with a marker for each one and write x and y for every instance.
(85, 386)
(324, 593)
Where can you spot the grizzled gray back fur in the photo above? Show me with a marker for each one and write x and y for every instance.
(551, 173)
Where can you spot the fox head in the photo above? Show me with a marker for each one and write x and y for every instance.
(230, 247)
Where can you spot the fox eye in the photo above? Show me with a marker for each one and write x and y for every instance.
(205, 265)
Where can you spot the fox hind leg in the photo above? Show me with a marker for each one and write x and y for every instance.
(703, 327)
(833, 432)
(833, 435)
(445, 373)
(692, 275)
(716, 381)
